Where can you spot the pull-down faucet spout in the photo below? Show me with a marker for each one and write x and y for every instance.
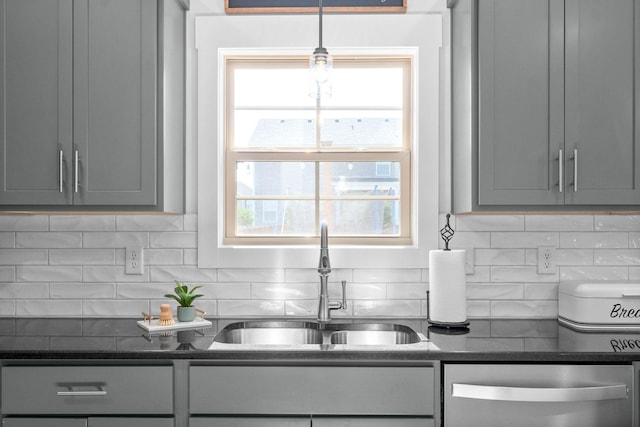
(324, 268)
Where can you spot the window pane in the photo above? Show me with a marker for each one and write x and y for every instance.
(362, 217)
(275, 179)
(278, 128)
(361, 129)
(371, 87)
(275, 217)
(359, 179)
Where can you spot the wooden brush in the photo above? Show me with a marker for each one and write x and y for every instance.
(166, 317)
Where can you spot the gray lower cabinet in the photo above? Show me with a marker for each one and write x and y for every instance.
(87, 422)
(308, 422)
(325, 396)
(551, 115)
(82, 108)
(249, 422)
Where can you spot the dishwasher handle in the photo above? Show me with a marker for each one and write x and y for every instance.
(540, 394)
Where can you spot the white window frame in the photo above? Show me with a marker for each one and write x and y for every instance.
(217, 36)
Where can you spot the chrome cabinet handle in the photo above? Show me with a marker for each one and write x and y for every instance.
(540, 394)
(75, 171)
(60, 171)
(561, 170)
(99, 392)
(575, 169)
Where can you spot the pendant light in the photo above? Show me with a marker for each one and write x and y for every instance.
(320, 66)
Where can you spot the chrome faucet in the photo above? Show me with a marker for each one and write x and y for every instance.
(324, 269)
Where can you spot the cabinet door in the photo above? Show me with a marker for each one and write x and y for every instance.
(373, 422)
(249, 422)
(520, 82)
(35, 101)
(602, 59)
(115, 52)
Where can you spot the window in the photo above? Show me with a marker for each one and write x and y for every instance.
(412, 35)
(291, 160)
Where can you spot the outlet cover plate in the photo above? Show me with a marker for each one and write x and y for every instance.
(133, 261)
(547, 263)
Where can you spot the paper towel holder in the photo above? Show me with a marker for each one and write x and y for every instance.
(445, 325)
(447, 233)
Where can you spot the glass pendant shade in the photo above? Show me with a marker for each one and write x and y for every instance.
(320, 66)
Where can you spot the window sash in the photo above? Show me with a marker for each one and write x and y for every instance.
(318, 154)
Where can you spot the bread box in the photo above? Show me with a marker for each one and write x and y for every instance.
(599, 305)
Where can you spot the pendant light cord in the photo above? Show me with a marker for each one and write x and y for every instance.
(320, 19)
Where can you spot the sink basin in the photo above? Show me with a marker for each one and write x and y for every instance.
(380, 334)
(270, 333)
(285, 334)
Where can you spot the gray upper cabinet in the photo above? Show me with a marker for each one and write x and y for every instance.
(83, 104)
(549, 119)
(36, 91)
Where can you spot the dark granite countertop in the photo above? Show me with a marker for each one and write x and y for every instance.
(494, 340)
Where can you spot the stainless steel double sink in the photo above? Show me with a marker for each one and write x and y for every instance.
(303, 334)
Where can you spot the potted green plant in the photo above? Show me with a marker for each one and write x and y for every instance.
(185, 298)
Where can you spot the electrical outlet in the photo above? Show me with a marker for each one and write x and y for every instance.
(134, 262)
(547, 260)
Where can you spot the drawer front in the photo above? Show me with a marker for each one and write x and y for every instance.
(249, 422)
(311, 390)
(87, 390)
(44, 422)
(373, 422)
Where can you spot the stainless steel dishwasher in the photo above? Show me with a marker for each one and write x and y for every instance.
(538, 395)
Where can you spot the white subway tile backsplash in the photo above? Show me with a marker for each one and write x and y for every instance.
(387, 308)
(250, 275)
(617, 257)
(594, 240)
(162, 256)
(82, 257)
(48, 240)
(24, 222)
(559, 223)
(541, 291)
(23, 256)
(524, 309)
(83, 223)
(524, 239)
(520, 274)
(405, 290)
(51, 273)
(49, 307)
(7, 239)
(186, 239)
(239, 308)
(7, 274)
(114, 308)
(82, 290)
(396, 275)
(24, 290)
(497, 291)
(76, 263)
(362, 291)
(187, 274)
(490, 223)
(115, 239)
(594, 273)
(499, 256)
(149, 223)
(109, 273)
(617, 222)
(283, 291)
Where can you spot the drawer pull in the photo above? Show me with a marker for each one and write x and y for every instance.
(71, 392)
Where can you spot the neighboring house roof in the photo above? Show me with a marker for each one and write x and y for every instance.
(366, 132)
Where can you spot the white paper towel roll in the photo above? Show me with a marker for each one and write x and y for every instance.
(447, 286)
